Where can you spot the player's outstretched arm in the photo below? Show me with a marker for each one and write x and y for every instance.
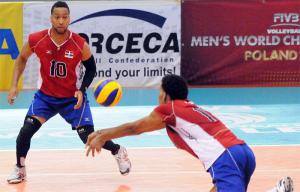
(147, 124)
(20, 64)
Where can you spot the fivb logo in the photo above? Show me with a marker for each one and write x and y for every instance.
(132, 42)
(11, 48)
(286, 19)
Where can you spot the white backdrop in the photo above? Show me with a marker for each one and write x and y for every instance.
(126, 27)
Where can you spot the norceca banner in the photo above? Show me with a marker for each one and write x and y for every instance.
(134, 43)
(11, 34)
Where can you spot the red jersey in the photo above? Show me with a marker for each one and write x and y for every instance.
(60, 64)
(197, 131)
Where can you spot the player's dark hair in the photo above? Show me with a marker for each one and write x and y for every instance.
(175, 86)
(60, 4)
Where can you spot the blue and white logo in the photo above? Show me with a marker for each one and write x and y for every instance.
(132, 13)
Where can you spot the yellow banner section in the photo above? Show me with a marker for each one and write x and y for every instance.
(11, 40)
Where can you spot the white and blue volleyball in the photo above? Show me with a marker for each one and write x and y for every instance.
(108, 92)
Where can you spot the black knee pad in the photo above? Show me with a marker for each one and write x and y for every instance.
(84, 132)
(30, 127)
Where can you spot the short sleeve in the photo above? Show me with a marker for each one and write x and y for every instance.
(165, 111)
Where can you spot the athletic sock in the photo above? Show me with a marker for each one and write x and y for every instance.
(112, 147)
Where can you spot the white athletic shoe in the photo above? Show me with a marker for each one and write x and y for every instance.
(285, 185)
(123, 161)
(17, 176)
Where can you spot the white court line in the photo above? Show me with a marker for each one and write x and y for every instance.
(38, 150)
(146, 148)
(285, 145)
(200, 172)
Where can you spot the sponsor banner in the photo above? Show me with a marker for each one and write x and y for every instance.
(134, 43)
(233, 43)
(11, 35)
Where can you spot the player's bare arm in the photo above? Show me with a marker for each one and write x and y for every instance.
(86, 52)
(20, 64)
(147, 124)
(90, 66)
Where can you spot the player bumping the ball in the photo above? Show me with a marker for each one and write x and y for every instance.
(228, 159)
(61, 53)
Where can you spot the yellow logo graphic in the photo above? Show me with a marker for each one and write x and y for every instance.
(11, 35)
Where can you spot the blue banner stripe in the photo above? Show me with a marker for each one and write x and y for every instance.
(110, 99)
(133, 13)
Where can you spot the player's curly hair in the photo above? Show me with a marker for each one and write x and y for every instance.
(59, 4)
(175, 86)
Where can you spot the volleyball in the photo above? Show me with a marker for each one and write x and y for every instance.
(108, 92)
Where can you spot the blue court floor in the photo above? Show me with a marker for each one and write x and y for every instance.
(261, 116)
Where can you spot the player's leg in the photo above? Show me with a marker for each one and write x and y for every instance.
(228, 170)
(36, 116)
(31, 125)
(81, 120)
(250, 164)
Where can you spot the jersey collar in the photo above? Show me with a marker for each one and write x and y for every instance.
(57, 45)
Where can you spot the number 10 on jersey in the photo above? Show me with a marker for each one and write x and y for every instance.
(58, 69)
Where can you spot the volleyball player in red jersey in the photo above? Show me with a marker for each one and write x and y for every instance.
(62, 53)
(227, 158)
